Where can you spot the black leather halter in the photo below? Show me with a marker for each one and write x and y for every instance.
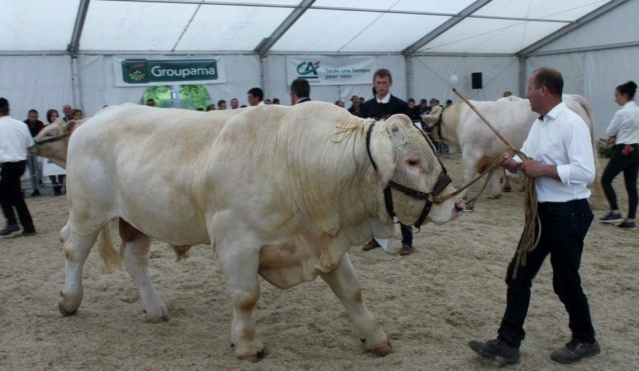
(442, 181)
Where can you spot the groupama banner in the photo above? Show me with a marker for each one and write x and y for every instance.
(331, 70)
(129, 72)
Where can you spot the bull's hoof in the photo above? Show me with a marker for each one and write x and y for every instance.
(159, 319)
(381, 350)
(65, 312)
(507, 189)
(253, 357)
(494, 197)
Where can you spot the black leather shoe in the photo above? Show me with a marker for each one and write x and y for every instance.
(406, 250)
(574, 351)
(10, 229)
(370, 245)
(496, 348)
(28, 234)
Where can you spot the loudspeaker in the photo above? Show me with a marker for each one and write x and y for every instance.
(476, 80)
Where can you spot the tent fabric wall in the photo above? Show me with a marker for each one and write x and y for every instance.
(98, 87)
(432, 77)
(97, 84)
(242, 74)
(275, 69)
(594, 75)
(616, 26)
(38, 82)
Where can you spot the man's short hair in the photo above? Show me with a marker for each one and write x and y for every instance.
(301, 88)
(221, 101)
(4, 106)
(551, 78)
(150, 101)
(257, 92)
(32, 110)
(383, 72)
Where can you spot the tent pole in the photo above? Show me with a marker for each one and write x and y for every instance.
(522, 76)
(75, 83)
(409, 77)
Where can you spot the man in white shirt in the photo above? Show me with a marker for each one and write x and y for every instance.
(14, 141)
(561, 161)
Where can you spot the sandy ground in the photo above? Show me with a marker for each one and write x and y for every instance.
(430, 304)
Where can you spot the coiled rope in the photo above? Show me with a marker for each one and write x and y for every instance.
(530, 235)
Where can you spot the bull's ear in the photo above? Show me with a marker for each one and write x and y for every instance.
(383, 152)
(69, 127)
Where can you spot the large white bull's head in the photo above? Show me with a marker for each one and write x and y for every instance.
(52, 142)
(407, 166)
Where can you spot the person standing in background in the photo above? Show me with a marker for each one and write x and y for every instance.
(623, 131)
(15, 139)
(385, 104)
(33, 163)
(300, 91)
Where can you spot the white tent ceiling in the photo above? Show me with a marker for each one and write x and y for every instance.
(288, 26)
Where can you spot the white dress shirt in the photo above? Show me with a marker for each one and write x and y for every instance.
(625, 124)
(14, 140)
(561, 139)
(384, 100)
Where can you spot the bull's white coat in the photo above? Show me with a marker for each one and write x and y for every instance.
(279, 192)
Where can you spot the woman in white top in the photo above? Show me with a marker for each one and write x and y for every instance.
(623, 130)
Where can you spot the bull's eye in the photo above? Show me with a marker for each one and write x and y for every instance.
(412, 162)
(49, 134)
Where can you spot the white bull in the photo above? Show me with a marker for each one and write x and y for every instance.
(277, 191)
(459, 126)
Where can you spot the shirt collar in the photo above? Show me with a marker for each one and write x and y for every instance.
(384, 100)
(554, 112)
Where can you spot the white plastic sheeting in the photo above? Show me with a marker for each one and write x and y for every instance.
(320, 26)
(36, 82)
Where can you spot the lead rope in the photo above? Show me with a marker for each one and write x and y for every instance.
(529, 239)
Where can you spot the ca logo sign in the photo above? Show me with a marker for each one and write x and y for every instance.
(308, 70)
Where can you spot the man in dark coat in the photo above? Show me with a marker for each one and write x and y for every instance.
(385, 104)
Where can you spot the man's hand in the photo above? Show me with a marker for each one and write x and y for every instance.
(535, 169)
(509, 164)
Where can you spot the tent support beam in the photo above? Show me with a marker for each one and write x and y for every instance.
(74, 45)
(444, 27)
(578, 23)
(266, 44)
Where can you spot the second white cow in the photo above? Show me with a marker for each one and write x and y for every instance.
(459, 126)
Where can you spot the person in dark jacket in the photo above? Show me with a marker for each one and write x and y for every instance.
(35, 166)
(300, 91)
(382, 105)
(356, 106)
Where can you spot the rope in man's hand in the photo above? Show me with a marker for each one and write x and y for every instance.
(529, 239)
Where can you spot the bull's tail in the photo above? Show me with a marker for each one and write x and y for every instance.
(596, 187)
(110, 255)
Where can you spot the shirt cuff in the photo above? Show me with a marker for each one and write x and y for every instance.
(563, 171)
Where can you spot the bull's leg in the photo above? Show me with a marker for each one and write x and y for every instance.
(240, 267)
(469, 164)
(344, 283)
(506, 186)
(136, 253)
(496, 186)
(76, 251)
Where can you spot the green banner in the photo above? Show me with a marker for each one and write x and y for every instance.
(142, 71)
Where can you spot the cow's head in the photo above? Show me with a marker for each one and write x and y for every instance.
(404, 156)
(52, 142)
(432, 120)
